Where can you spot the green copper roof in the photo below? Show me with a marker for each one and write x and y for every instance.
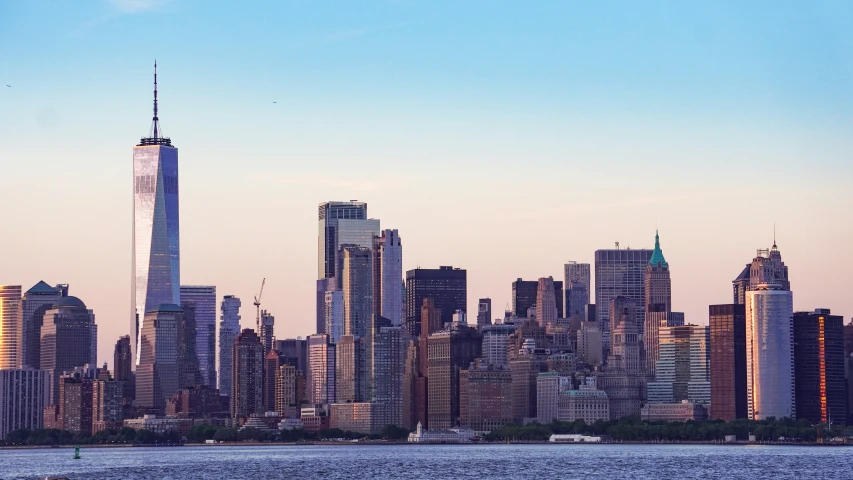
(657, 259)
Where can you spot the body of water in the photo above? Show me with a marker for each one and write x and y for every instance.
(434, 461)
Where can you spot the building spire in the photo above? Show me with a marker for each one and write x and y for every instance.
(774, 235)
(156, 133)
(657, 259)
(155, 119)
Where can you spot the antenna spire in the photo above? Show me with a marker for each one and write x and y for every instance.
(155, 119)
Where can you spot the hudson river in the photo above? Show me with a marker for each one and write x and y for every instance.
(434, 461)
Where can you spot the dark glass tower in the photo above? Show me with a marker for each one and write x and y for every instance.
(821, 388)
(524, 296)
(728, 361)
(447, 286)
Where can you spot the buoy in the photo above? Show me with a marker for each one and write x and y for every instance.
(76, 453)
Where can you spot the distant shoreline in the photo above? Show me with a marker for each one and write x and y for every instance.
(381, 443)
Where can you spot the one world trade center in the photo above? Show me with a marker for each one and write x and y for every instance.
(156, 248)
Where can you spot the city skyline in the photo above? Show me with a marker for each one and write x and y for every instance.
(224, 205)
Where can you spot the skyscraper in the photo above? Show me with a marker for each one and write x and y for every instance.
(204, 300)
(342, 223)
(267, 332)
(683, 366)
(229, 328)
(189, 373)
(321, 381)
(35, 302)
(577, 299)
(546, 301)
(657, 304)
(769, 353)
(11, 327)
(447, 286)
(23, 396)
(357, 287)
(123, 367)
(450, 351)
(388, 276)
(390, 345)
(577, 273)
(524, 296)
(821, 389)
(68, 335)
(766, 268)
(727, 325)
(247, 390)
(157, 373)
(349, 369)
(156, 276)
(334, 315)
(619, 273)
(323, 285)
(484, 312)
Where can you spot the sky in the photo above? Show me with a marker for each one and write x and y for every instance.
(501, 137)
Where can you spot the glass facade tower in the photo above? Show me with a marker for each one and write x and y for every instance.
(156, 248)
(203, 299)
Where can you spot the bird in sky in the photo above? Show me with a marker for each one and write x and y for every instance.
(272, 102)
(9, 86)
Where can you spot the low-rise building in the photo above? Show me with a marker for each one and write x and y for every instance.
(291, 424)
(314, 418)
(574, 438)
(359, 417)
(587, 405)
(160, 425)
(452, 435)
(674, 412)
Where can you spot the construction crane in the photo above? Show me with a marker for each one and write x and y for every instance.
(258, 305)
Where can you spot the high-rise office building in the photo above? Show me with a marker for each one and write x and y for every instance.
(342, 223)
(204, 300)
(123, 367)
(189, 372)
(11, 327)
(156, 277)
(484, 312)
(525, 368)
(386, 371)
(485, 397)
(821, 387)
(68, 335)
(107, 404)
(682, 371)
(287, 398)
(448, 288)
(619, 273)
(323, 285)
(75, 404)
(496, 343)
(350, 369)
(272, 362)
(229, 328)
(727, 324)
(157, 373)
(267, 331)
(388, 276)
(766, 268)
(524, 296)
(247, 373)
(334, 314)
(34, 303)
(546, 301)
(577, 273)
(321, 379)
(577, 298)
(657, 303)
(450, 351)
(23, 396)
(624, 378)
(769, 353)
(357, 287)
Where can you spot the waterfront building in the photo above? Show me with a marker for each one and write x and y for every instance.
(75, 405)
(446, 286)
(548, 388)
(546, 302)
(314, 419)
(272, 362)
(342, 223)
(388, 276)
(525, 369)
(247, 390)
(727, 325)
(450, 351)
(68, 335)
(524, 296)
(357, 287)
(24, 394)
(451, 435)
(107, 404)
(657, 305)
(359, 417)
(229, 328)
(766, 268)
(574, 438)
(848, 358)
(485, 397)
(199, 401)
(203, 301)
(484, 312)
(578, 274)
(699, 385)
(619, 273)
(321, 379)
(386, 369)
(682, 367)
(156, 261)
(158, 372)
(820, 387)
(674, 412)
(589, 405)
(34, 303)
(11, 327)
(769, 353)
(160, 425)
(287, 397)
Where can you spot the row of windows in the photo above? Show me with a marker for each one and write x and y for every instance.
(148, 184)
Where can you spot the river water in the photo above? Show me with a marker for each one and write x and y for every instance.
(434, 461)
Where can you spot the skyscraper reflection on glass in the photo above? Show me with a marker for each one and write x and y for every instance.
(156, 248)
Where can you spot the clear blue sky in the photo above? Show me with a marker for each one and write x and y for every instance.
(503, 137)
